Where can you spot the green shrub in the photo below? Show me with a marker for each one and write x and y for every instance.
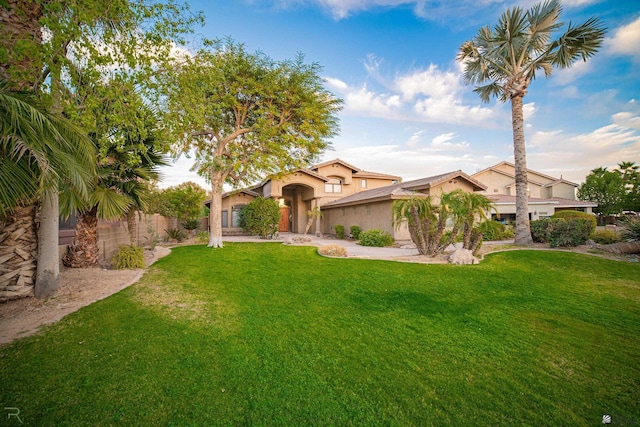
(494, 230)
(339, 231)
(631, 229)
(128, 257)
(606, 237)
(577, 214)
(176, 234)
(539, 230)
(376, 238)
(355, 231)
(202, 236)
(560, 232)
(262, 216)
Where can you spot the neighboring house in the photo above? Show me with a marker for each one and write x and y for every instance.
(547, 194)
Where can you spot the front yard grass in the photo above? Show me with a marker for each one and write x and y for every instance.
(266, 334)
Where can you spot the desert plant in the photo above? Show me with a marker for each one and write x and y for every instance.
(605, 237)
(190, 224)
(376, 238)
(202, 236)
(339, 231)
(152, 236)
(175, 234)
(262, 216)
(577, 214)
(333, 250)
(312, 215)
(128, 257)
(631, 229)
(355, 231)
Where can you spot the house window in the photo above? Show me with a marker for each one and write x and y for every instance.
(368, 209)
(343, 211)
(363, 183)
(495, 190)
(225, 219)
(334, 185)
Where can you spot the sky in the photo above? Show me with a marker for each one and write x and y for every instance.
(407, 110)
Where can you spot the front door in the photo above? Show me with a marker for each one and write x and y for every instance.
(284, 219)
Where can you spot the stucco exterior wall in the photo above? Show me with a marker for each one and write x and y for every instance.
(566, 191)
(229, 205)
(367, 216)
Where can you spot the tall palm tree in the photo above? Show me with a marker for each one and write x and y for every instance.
(37, 150)
(503, 60)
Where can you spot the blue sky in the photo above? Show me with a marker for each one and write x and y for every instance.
(407, 111)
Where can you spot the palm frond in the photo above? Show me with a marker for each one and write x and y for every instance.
(111, 204)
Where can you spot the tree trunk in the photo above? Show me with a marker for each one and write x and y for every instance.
(18, 249)
(523, 231)
(48, 269)
(84, 251)
(132, 227)
(215, 213)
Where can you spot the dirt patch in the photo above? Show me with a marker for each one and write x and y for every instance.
(78, 288)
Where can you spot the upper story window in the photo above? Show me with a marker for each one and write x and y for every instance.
(363, 183)
(334, 185)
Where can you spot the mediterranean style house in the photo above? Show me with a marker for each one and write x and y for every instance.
(546, 194)
(347, 195)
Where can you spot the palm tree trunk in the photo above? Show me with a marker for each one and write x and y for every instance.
(215, 213)
(84, 251)
(18, 249)
(48, 270)
(132, 227)
(523, 231)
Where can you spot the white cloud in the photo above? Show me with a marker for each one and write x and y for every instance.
(626, 40)
(430, 82)
(626, 119)
(569, 75)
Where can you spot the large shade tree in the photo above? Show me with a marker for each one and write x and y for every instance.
(503, 61)
(614, 190)
(51, 46)
(245, 116)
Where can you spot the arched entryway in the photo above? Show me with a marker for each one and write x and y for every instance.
(296, 200)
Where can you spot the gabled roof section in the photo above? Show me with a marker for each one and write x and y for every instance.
(334, 161)
(403, 190)
(242, 190)
(357, 172)
(561, 181)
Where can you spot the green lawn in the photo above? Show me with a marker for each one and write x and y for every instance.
(265, 334)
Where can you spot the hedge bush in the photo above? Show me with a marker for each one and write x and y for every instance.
(376, 238)
(494, 230)
(355, 231)
(577, 214)
(128, 257)
(339, 231)
(606, 237)
(262, 217)
(560, 232)
(631, 229)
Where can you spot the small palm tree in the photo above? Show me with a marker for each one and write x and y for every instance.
(474, 206)
(504, 60)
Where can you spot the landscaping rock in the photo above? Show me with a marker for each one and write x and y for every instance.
(463, 256)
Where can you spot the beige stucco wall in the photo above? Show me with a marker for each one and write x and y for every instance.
(566, 191)
(367, 216)
(228, 205)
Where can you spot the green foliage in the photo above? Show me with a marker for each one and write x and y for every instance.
(355, 231)
(559, 232)
(631, 229)
(202, 236)
(184, 202)
(494, 230)
(606, 188)
(605, 237)
(267, 116)
(577, 214)
(190, 224)
(128, 257)
(376, 238)
(261, 216)
(339, 231)
(152, 236)
(176, 234)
